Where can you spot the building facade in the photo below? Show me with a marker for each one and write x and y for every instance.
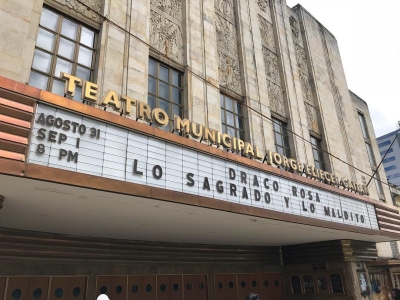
(170, 149)
(390, 162)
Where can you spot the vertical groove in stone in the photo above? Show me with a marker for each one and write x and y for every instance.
(338, 101)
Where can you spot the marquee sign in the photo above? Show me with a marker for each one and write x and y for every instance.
(123, 104)
(71, 142)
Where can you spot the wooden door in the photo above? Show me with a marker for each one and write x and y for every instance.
(175, 291)
(113, 286)
(195, 287)
(149, 287)
(271, 286)
(135, 288)
(76, 287)
(254, 284)
(226, 286)
(17, 288)
(163, 287)
(38, 288)
(243, 286)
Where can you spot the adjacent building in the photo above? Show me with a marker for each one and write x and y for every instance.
(181, 149)
(391, 161)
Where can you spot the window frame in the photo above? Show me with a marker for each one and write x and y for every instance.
(223, 111)
(317, 146)
(51, 76)
(170, 84)
(284, 133)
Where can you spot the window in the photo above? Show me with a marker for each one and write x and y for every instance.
(281, 137)
(232, 117)
(394, 176)
(390, 151)
(370, 154)
(62, 45)
(165, 90)
(318, 154)
(384, 144)
(395, 251)
(389, 159)
(390, 168)
(363, 126)
(378, 185)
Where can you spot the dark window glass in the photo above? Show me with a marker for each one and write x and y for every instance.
(62, 45)
(16, 294)
(318, 153)
(231, 117)
(118, 289)
(281, 137)
(37, 293)
(58, 293)
(76, 292)
(371, 156)
(165, 90)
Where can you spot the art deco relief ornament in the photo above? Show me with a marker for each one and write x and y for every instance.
(92, 13)
(166, 28)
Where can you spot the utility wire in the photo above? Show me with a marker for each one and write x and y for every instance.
(105, 18)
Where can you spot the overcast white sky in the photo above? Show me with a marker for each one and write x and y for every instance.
(368, 34)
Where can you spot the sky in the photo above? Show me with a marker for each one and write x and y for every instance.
(368, 34)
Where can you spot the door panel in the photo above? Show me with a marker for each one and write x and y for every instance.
(135, 287)
(163, 287)
(38, 288)
(232, 287)
(254, 284)
(17, 288)
(113, 286)
(220, 286)
(149, 287)
(76, 288)
(3, 281)
(175, 291)
(201, 287)
(59, 288)
(189, 287)
(243, 286)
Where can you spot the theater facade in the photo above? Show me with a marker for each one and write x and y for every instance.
(170, 149)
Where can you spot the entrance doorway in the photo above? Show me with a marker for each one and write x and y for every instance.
(238, 286)
(42, 287)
